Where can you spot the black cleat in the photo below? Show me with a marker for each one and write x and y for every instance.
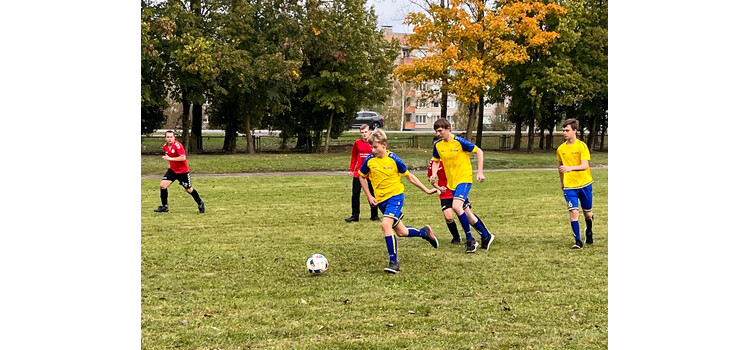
(578, 245)
(590, 237)
(161, 209)
(430, 237)
(471, 245)
(375, 218)
(486, 242)
(392, 267)
(350, 219)
(202, 207)
(456, 240)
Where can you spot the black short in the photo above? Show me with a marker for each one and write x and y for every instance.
(183, 178)
(447, 203)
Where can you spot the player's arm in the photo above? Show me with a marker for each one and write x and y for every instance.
(353, 160)
(583, 166)
(415, 180)
(434, 171)
(363, 182)
(480, 165)
(562, 177)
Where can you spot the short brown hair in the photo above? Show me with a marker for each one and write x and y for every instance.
(441, 123)
(363, 127)
(572, 122)
(169, 132)
(377, 136)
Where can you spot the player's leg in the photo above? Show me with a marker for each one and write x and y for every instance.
(476, 222)
(186, 183)
(585, 196)
(460, 195)
(391, 209)
(166, 180)
(446, 205)
(356, 190)
(571, 197)
(373, 209)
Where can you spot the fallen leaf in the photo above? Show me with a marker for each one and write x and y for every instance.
(412, 312)
(346, 301)
(573, 317)
(185, 322)
(390, 325)
(208, 315)
(303, 301)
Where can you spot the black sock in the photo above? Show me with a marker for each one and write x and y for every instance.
(196, 197)
(453, 228)
(589, 223)
(164, 196)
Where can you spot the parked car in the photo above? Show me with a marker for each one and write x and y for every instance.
(373, 119)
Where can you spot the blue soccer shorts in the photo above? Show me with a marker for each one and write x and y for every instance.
(584, 195)
(391, 208)
(462, 192)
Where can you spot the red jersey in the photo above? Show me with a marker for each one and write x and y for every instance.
(442, 179)
(360, 151)
(175, 151)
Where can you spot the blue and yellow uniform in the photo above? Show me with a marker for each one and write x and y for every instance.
(385, 175)
(456, 162)
(576, 184)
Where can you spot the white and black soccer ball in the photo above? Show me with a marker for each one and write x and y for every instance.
(317, 264)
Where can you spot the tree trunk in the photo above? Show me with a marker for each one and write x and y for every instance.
(328, 133)
(480, 121)
(230, 138)
(444, 101)
(541, 138)
(601, 144)
(550, 139)
(472, 119)
(185, 123)
(517, 138)
(592, 133)
(196, 131)
(532, 122)
(250, 147)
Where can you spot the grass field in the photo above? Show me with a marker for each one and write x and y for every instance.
(234, 277)
(278, 162)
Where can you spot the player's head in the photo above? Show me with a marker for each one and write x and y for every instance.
(378, 142)
(169, 136)
(570, 127)
(364, 131)
(443, 128)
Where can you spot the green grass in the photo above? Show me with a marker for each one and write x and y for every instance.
(275, 162)
(234, 277)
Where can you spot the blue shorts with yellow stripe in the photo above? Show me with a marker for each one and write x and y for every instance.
(391, 208)
(584, 195)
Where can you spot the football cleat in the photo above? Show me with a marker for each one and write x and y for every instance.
(471, 245)
(578, 245)
(430, 237)
(392, 267)
(589, 237)
(456, 240)
(161, 209)
(350, 219)
(202, 207)
(486, 242)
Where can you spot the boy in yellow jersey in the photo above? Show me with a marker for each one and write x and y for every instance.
(385, 169)
(454, 152)
(575, 179)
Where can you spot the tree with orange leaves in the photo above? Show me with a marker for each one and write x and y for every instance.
(469, 44)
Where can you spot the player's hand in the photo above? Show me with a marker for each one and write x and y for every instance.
(432, 190)
(443, 189)
(564, 169)
(165, 157)
(372, 201)
(351, 173)
(480, 177)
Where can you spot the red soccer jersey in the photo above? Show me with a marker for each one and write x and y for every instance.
(442, 180)
(360, 151)
(175, 151)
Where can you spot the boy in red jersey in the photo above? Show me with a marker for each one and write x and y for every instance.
(178, 170)
(446, 199)
(360, 151)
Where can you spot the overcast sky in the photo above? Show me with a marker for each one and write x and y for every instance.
(392, 13)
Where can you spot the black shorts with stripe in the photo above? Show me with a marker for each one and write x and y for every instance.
(184, 178)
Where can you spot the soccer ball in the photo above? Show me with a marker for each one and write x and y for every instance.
(317, 264)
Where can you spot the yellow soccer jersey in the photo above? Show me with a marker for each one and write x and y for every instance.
(571, 155)
(455, 157)
(385, 175)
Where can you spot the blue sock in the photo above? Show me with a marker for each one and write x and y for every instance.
(465, 224)
(390, 242)
(576, 230)
(413, 232)
(480, 227)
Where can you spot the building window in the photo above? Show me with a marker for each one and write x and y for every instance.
(435, 103)
(451, 103)
(422, 86)
(421, 104)
(405, 53)
(421, 119)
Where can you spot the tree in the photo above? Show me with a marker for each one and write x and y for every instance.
(154, 75)
(346, 64)
(473, 43)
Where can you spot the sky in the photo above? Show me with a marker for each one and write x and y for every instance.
(392, 13)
